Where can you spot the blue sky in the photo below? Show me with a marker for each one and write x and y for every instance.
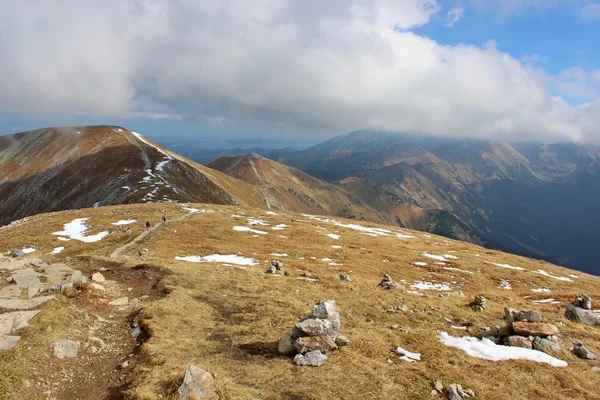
(502, 69)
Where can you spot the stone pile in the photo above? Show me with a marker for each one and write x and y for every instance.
(314, 337)
(276, 268)
(387, 283)
(525, 329)
(580, 310)
(478, 304)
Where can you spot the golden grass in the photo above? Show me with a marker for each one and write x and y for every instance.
(228, 320)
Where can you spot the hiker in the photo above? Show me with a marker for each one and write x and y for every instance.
(147, 224)
(164, 218)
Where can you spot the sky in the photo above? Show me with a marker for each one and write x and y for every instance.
(310, 69)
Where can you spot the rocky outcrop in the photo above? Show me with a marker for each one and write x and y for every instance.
(580, 310)
(198, 384)
(315, 336)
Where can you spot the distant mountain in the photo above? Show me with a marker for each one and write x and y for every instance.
(536, 199)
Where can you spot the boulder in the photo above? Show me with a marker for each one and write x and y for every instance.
(312, 359)
(319, 326)
(517, 341)
(545, 345)
(7, 342)
(584, 301)
(325, 309)
(66, 348)
(342, 340)
(512, 315)
(534, 329)
(579, 314)
(286, 344)
(271, 270)
(580, 351)
(453, 393)
(325, 344)
(17, 253)
(198, 384)
(278, 265)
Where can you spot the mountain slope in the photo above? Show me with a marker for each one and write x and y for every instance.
(64, 168)
(227, 318)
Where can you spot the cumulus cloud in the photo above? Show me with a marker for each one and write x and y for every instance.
(332, 66)
(454, 15)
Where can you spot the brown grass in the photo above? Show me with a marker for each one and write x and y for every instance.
(228, 320)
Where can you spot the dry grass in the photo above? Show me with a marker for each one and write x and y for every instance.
(228, 320)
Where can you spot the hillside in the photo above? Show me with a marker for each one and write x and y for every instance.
(226, 314)
(531, 198)
(67, 168)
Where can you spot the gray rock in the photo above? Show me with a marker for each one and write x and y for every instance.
(387, 283)
(319, 326)
(325, 309)
(453, 393)
(66, 348)
(11, 291)
(546, 346)
(596, 370)
(286, 344)
(478, 304)
(323, 343)
(311, 359)
(272, 270)
(278, 265)
(7, 342)
(517, 341)
(198, 384)
(17, 253)
(584, 301)
(342, 340)
(98, 277)
(11, 322)
(345, 277)
(580, 351)
(581, 315)
(24, 304)
(512, 315)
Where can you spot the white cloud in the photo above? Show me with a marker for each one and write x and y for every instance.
(590, 12)
(331, 66)
(454, 15)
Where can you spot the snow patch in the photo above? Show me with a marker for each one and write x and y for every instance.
(279, 254)
(76, 230)
(280, 227)
(549, 275)
(57, 250)
(336, 246)
(504, 284)
(124, 222)
(28, 250)
(420, 263)
(334, 236)
(246, 229)
(541, 290)
(271, 213)
(434, 256)
(364, 229)
(507, 266)
(424, 285)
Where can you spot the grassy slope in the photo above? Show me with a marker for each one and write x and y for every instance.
(228, 320)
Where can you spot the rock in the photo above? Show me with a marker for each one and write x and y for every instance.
(387, 283)
(345, 277)
(97, 286)
(24, 304)
(121, 301)
(545, 345)
(580, 351)
(584, 301)
(323, 343)
(198, 384)
(438, 385)
(286, 344)
(66, 348)
(7, 342)
(144, 253)
(453, 393)
(517, 341)
(11, 322)
(512, 315)
(596, 370)
(581, 315)
(478, 304)
(10, 291)
(17, 253)
(325, 309)
(278, 265)
(396, 309)
(98, 277)
(342, 341)
(319, 326)
(272, 270)
(500, 332)
(312, 359)
(534, 329)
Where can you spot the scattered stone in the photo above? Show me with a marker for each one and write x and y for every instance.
(387, 283)
(98, 277)
(580, 351)
(198, 384)
(577, 311)
(517, 341)
(534, 328)
(17, 253)
(342, 341)
(545, 345)
(325, 309)
(24, 304)
(66, 348)
(286, 344)
(478, 304)
(345, 277)
(407, 355)
(323, 343)
(278, 265)
(97, 286)
(396, 309)
(438, 385)
(512, 315)
(11, 322)
(312, 359)
(121, 301)
(453, 393)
